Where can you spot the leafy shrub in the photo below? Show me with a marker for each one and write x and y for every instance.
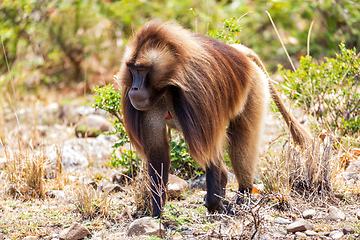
(110, 100)
(181, 161)
(328, 90)
(229, 33)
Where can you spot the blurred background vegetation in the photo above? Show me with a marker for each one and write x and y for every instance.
(61, 44)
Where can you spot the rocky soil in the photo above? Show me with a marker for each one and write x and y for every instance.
(88, 199)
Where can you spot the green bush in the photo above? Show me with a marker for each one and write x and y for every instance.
(181, 161)
(328, 90)
(110, 100)
(229, 33)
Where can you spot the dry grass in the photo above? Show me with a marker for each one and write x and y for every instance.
(307, 173)
(25, 173)
(91, 203)
(140, 191)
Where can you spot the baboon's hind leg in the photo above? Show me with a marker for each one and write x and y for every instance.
(244, 133)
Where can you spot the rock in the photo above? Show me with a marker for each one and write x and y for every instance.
(76, 231)
(176, 186)
(348, 229)
(78, 152)
(92, 126)
(308, 214)
(176, 236)
(310, 233)
(55, 194)
(353, 171)
(109, 187)
(31, 238)
(300, 235)
(335, 214)
(299, 225)
(281, 220)
(71, 115)
(146, 226)
(336, 234)
(199, 183)
(83, 111)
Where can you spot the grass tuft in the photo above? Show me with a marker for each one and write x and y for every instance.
(25, 172)
(91, 203)
(307, 172)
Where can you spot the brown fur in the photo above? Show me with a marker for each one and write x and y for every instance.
(206, 85)
(298, 132)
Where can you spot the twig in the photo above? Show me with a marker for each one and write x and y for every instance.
(243, 16)
(308, 39)
(282, 43)
(13, 85)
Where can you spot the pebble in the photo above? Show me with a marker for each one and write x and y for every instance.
(146, 226)
(348, 229)
(299, 225)
(335, 214)
(300, 234)
(308, 214)
(310, 233)
(336, 234)
(281, 220)
(76, 231)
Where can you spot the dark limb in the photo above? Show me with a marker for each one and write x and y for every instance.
(158, 175)
(216, 179)
(157, 152)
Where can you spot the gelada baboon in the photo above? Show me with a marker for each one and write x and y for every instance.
(210, 91)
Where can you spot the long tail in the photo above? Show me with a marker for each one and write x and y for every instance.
(298, 132)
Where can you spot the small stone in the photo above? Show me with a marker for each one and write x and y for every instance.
(176, 186)
(31, 238)
(199, 183)
(348, 229)
(335, 214)
(308, 214)
(300, 234)
(76, 231)
(146, 226)
(310, 233)
(176, 236)
(299, 225)
(336, 234)
(281, 220)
